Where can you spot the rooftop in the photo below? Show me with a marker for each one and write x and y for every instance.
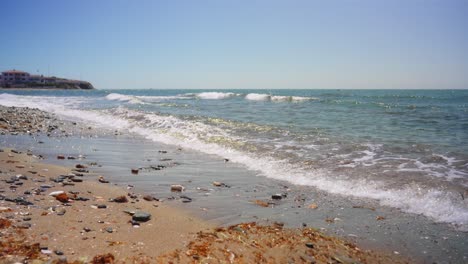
(14, 71)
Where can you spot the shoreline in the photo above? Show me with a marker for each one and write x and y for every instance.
(103, 192)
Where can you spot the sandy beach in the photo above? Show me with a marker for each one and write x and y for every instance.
(51, 212)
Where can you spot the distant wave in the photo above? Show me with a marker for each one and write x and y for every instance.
(214, 95)
(277, 98)
(123, 98)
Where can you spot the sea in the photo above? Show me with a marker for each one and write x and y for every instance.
(404, 150)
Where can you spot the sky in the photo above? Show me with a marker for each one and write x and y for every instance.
(221, 44)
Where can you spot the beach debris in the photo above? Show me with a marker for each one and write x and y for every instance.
(5, 209)
(62, 197)
(177, 188)
(55, 193)
(261, 203)
(312, 206)
(120, 199)
(104, 259)
(4, 223)
(135, 171)
(141, 216)
(130, 211)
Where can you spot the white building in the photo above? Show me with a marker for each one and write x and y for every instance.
(15, 77)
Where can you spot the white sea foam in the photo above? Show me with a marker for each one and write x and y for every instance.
(438, 204)
(123, 98)
(277, 98)
(257, 97)
(214, 95)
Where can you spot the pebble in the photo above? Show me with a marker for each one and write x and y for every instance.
(109, 230)
(148, 198)
(177, 188)
(277, 196)
(61, 212)
(309, 245)
(46, 251)
(24, 225)
(120, 199)
(58, 252)
(141, 216)
(101, 206)
(134, 171)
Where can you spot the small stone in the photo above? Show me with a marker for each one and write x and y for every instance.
(177, 188)
(148, 198)
(102, 180)
(109, 230)
(379, 218)
(277, 196)
(58, 252)
(24, 225)
(60, 157)
(61, 212)
(218, 184)
(80, 166)
(27, 219)
(120, 199)
(134, 171)
(46, 251)
(76, 180)
(87, 229)
(101, 206)
(141, 216)
(309, 245)
(312, 206)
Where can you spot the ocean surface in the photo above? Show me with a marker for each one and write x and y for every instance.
(404, 149)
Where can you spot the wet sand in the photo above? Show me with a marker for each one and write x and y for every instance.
(85, 225)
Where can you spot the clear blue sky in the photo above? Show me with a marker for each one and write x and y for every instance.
(240, 44)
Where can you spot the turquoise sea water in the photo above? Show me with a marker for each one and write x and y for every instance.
(404, 148)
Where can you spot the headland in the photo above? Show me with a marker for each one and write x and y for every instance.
(16, 79)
